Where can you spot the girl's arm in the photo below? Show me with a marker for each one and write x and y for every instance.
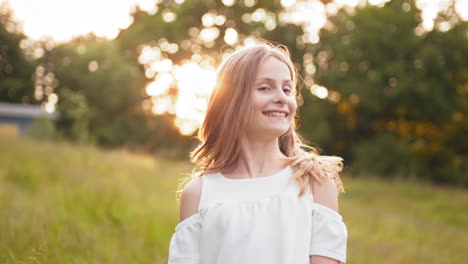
(322, 260)
(326, 194)
(190, 198)
(184, 245)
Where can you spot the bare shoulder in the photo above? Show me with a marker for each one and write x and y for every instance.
(325, 193)
(190, 199)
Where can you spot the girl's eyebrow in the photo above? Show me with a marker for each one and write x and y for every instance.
(271, 80)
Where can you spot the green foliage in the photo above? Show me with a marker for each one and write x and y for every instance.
(149, 29)
(16, 72)
(314, 122)
(452, 168)
(384, 155)
(42, 127)
(64, 203)
(74, 204)
(403, 222)
(74, 116)
(99, 101)
(391, 80)
(366, 50)
(388, 80)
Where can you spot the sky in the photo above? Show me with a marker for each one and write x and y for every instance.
(63, 19)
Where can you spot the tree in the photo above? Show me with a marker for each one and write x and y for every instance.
(394, 78)
(16, 72)
(187, 24)
(97, 90)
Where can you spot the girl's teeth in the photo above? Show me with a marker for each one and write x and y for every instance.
(276, 114)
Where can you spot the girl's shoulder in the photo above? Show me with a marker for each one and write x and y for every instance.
(325, 193)
(190, 198)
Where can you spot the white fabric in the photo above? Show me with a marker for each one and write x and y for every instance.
(256, 221)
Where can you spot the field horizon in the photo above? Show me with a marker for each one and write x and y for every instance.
(67, 203)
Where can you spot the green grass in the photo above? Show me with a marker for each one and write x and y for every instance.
(62, 203)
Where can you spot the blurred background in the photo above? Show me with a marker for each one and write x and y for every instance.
(100, 102)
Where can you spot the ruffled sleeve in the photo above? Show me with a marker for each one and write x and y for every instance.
(184, 245)
(329, 234)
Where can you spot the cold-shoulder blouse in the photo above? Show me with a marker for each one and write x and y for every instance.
(256, 221)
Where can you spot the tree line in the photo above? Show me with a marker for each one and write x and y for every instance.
(396, 95)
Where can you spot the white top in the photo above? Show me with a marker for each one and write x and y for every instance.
(256, 221)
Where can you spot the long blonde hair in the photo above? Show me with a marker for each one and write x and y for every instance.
(228, 111)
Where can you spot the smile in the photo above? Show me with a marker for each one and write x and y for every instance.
(276, 114)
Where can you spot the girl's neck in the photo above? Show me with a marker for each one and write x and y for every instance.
(257, 159)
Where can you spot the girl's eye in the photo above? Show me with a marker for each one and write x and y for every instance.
(264, 88)
(287, 90)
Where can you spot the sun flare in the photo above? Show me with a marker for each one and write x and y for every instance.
(194, 83)
(184, 90)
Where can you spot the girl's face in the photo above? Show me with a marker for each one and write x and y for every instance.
(273, 100)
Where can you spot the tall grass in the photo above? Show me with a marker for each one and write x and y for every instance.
(62, 203)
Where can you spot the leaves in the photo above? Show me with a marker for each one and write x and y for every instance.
(400, 83)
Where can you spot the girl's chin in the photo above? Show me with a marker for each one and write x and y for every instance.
(273, 132)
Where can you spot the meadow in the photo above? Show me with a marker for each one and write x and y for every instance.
(65, 203)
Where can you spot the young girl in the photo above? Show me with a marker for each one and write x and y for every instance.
(258, 196)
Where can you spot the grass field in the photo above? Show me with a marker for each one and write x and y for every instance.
(62, 203)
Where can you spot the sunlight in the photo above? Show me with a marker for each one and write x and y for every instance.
(378, 2)
(164, 65)
(62, 20)
(105, 18)
(209, 34)
(209, 19)
(48, 107)
(53, 98)
(462, 8)
(184, 89)
(195, 85)
(149, 54)
(93, 66)
(162, 105)
(430, 9)
(250, 41)
(228, 3)
(319, 91)
(231, 36)
(193, 80)
(160, 85)
(287, 3)
(348, 3)
(310, 14)
(169, 16)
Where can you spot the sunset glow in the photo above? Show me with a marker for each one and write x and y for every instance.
(194, 79)
(62, 20)
(319, 91)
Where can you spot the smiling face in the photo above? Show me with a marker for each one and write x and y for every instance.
(273, 101)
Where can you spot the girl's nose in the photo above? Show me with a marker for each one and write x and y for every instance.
(280, 96)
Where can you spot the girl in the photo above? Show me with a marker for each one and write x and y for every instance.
(258, 196)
